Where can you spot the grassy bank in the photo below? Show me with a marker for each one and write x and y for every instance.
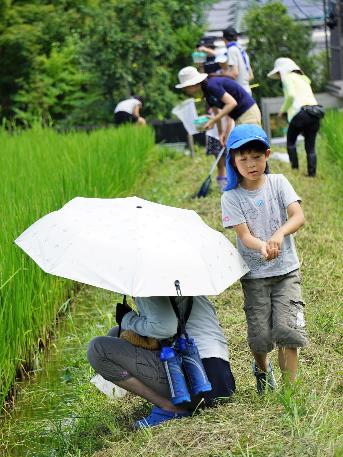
(307, 422)
(332, 128)
(41, 170)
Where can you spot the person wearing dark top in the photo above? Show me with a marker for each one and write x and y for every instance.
(223, 94)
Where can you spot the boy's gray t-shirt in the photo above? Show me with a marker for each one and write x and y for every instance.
(264, 211)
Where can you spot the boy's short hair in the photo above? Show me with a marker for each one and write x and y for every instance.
(254, 145)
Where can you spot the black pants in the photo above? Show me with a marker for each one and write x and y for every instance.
(121, 117)
(308, 125)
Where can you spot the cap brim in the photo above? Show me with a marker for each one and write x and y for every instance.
(239, 143)
(272, 74)
(192, 82)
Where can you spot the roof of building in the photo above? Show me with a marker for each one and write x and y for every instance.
(231, 12)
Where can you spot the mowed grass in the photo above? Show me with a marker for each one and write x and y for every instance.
(304, 422)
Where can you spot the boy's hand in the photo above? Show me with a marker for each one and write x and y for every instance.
(263, 250)
(274, 245)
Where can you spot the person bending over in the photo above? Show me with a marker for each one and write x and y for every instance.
(128, 112)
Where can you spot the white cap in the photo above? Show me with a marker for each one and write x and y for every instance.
(283, 65)
(189, 76)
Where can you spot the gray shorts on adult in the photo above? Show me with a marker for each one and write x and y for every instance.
(274, 312)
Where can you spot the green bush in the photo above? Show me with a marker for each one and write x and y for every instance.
(273, 33)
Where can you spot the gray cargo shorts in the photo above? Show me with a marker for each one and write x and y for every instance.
(274, 312)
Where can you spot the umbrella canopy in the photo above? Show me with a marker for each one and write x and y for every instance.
(134, 247)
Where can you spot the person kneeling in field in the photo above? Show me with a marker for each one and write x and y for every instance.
(265, 211)
(129, 356)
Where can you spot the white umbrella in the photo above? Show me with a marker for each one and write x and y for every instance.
(134, 247)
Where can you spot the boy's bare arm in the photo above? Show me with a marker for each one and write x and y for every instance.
(295, 220)
(249, 240)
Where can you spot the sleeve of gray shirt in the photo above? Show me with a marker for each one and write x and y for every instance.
(288, 194)
(156, 318)
(231, 211)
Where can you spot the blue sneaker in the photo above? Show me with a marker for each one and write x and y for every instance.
(157, 416)
(264, 381)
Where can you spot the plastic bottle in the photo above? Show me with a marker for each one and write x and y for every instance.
(176, 379)
(193, 366)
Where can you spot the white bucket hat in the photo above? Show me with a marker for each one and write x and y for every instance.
(189, 76)
(283, 65)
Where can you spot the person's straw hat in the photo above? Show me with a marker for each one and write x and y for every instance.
(189, 76)
(283, 65)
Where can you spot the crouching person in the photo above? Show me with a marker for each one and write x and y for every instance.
(129, 356)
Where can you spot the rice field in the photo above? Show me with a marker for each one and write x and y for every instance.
(40, 170)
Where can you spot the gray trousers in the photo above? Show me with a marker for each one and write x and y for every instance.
(117, 360)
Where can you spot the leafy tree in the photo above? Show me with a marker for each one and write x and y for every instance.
(54, 88)
(73, 60)
(136, 46)
(273, 33)
(28, 32)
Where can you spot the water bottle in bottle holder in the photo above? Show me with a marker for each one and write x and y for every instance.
(193, 366)
(176, 378)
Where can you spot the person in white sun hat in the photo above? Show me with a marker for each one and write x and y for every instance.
(303, 111)
(227, 99)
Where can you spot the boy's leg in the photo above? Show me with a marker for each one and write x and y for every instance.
(262, 361)
(288, 359)
(258, 311)
(288, 321)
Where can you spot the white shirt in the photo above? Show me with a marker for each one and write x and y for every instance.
(127, 105)
(235, 58)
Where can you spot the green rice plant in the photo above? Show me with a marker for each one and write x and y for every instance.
(332, 127)
(40, 170)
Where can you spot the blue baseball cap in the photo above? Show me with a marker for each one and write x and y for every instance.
(245, 133)
(239, 136)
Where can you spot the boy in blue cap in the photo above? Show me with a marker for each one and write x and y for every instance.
(265, 211)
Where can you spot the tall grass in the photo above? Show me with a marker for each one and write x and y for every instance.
(332, 127)
(40, 170)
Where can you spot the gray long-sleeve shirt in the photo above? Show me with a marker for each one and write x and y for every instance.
(157, 319)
